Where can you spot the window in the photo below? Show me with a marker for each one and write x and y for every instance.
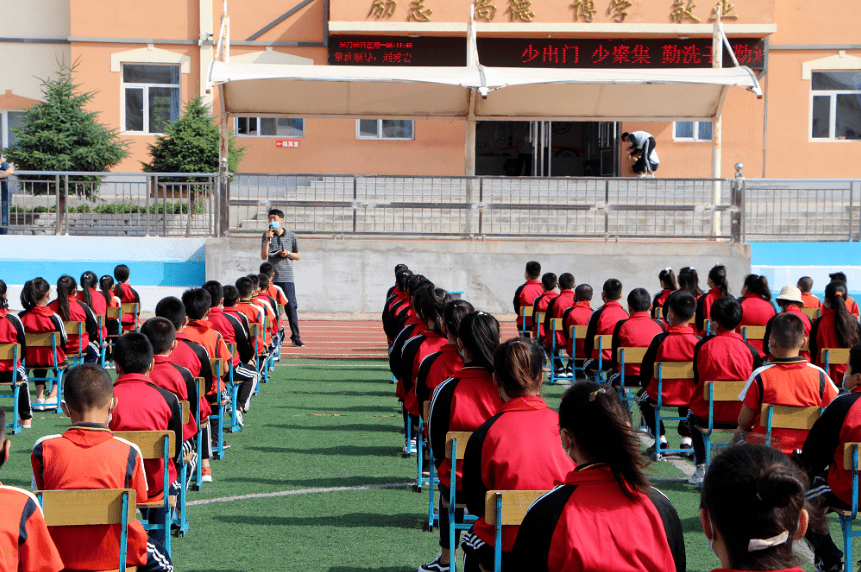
(692, 131)
(270, 127)
(150, 97)
(384, 129)
(8, 121)
(835, 106)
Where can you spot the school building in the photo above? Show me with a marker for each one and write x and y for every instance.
(143, 60)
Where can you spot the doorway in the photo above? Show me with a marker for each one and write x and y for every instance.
(547, 149)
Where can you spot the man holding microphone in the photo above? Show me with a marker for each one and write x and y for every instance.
(280, 249)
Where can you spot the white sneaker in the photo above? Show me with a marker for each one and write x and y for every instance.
(698, 476)
(239, 418)
(38, 405)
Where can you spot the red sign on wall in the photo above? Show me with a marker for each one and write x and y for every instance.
(287, 144)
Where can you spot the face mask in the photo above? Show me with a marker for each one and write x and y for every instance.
(846, 377)
(712, 527)
(274, 225)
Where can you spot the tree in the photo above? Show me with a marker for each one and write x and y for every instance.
(190, 144)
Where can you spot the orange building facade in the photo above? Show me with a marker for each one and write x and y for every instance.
(144, 59)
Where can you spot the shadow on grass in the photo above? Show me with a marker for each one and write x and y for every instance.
(322, 483)
(352, 427)
(356, 393)
(354, 569)
(369, 520)
(339, 409)
(344, 450)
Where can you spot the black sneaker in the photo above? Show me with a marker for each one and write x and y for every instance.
(434, 566)
(686, 455)
(298, 343)
(820, 565)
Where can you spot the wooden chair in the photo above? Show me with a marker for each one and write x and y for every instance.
(602, 342)
(262, 360)
(455, 447)
(75, 329)
(219, 367)
(13, 352)
(156, 445)
(182, 521)
(131, 308)
(431, 479)
(422, 447)
(525, 312)
(753, 333)
(47, 340)
(832, 356)
(718, 392)
(669, 370)
(110, 315)
(279, 320)
(811, 313)
(201, 393)
(537, 322)
(628, 356)
(787, 417)
(577, 333)
(556, 325)
(83, 507)
(233, 426)
(506, 508)
(847, 517)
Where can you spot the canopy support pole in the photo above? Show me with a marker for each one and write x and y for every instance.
(717, 62)
(469, 159)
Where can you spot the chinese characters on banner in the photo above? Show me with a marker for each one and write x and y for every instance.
(484, 10)
(382, 9)
(616, 10)
(584, 10)
(285, 144)
(418, 12)
(518, 11)
(684, 10)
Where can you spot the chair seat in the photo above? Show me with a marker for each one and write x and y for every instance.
(188, 458)
(129, 569)
(716, 429)
(158, 504)
(19, 382)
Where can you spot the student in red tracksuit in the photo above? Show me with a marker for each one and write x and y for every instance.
(94, 299)
(12, 332)
(254, 314)
(689, 281)
(439, 366)
(398, 268)
(676, 345)
(37, 317)
(406, 311)
(106, 286)
(668, 285)
(556, 310)
(805, 284)
(278, 296)
(126, 294)
(268, 305)
(462, 403)
(525, 296)
(723, 356)
(269, 315)
(578, 315)
(548, 283)
(718, 288)
(835, 328)
(397, 302)
(603, 323)
(516, 449)
(851, 305)
(753, 509)
(607, 490)
(638, 331)
(789, 300)
(756, 306)
(787, 380)
(71, 309)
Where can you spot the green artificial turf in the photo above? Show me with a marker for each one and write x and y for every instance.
(328, 424)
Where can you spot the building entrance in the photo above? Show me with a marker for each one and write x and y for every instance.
(547, 149)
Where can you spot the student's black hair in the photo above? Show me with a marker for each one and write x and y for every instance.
(689, 281)
(87, 387)
(479, 334)
(33, 291)
(754, 492)
(566, 281)
(758, 284)
(718, 276)
(413, 282)
(231, 295)
(88, 280)
(66, 286)
(429, 304)
(788, 331)
(583, 293)
(855, 358)
(593, 415)
(121, 272)
(400, 267)
(275, 212)
(4, 303)
(401, 279)
(197, 303)
(727, 312)
(683, 304)
(106, 285)
(160, 333)
(533, 269)
(133, 353)
(173, 309)
(612, 289)
(625, 136)
(838, 277)
(639, 300)
(805, 284)
(267, 268)
(845, 325)
(519, 367)
(453, 314)
(420, 291)
(245, 286)
(784, 304)
(548, 281)
(255, 280)
(263, 281)
(668, 278)
(216, 292)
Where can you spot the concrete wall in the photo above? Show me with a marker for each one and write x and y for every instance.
(353, 275)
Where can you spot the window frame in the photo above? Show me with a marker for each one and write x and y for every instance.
(145, 87)
(5, 129)
(696, 133)
(258, 118)
(380, 136)
(832, 111)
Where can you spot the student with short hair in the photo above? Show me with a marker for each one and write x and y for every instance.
(126, 294)
(756, 306)
(667, 279)
(718, 288)
(261, 281)
(835, 328)
(255, 315)
(676, 345)
(851, 305)
(805, 284)
(526, 294)
(516, 449)
(608, 490)
(88, 456)
(789, 300)
(787, 380)
(578, 315)
(12, 332)
(556, 310)
(723, 356)
(548, 283)
(71, 309)
(637, 331)
(276, 293)
(37, 318)
(603, 323)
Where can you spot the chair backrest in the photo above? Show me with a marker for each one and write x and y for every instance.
(131, 307)
(514, 506)
(811, 313)
(218, 366)
(40, 339)
(578, 332)
(150, 443)
(789, 417)
(675, 369)
(631, 355)
(557, 325)
(539, 318)
(10, 351)
(526, 311)
(604, 342)
(693, 319)
(186, 411)
(848, 449)
(74, 328)
(724, 390)
(462, 439)
(231, 347)
(87, 507)
(659, 312)
(426, 411)
(831, 355)
(753, 332)
(201, 387)
(113, 313)
(253, 329)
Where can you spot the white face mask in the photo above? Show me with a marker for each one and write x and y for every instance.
(846, 377)
(709, 542)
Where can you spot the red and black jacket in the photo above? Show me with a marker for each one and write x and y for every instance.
(704, 308)
(79, 312)
(416, 350)
(127, 295)
(11, 332)
(99, 308)
(810, 301)
(234, 332)
(638, 331)
(556, 309)
(577, 315)
(434, 369)
(724, 356)
(603, 323)
(516, 449)
(525, 296)
(823, 335)
(460, 403)
(413, 326)
(39, 320)
(677, 344)
(554, 535)
(540, 305)
(756, 311)
(179, 381)
(804, 320)
(659, 300)
(194, 357)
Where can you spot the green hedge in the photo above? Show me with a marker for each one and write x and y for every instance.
(173, 208)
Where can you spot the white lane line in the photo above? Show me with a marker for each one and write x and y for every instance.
(297, 492)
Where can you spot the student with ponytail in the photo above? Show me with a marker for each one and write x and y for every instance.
(756, 306)
(37, 318)
(718, 288)
(95, 300)
(12, 332)
(106, 285)
(607, 490)
(462, 403)
(668, 285)
(71, 309)
(689, 281)
(835, 328)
